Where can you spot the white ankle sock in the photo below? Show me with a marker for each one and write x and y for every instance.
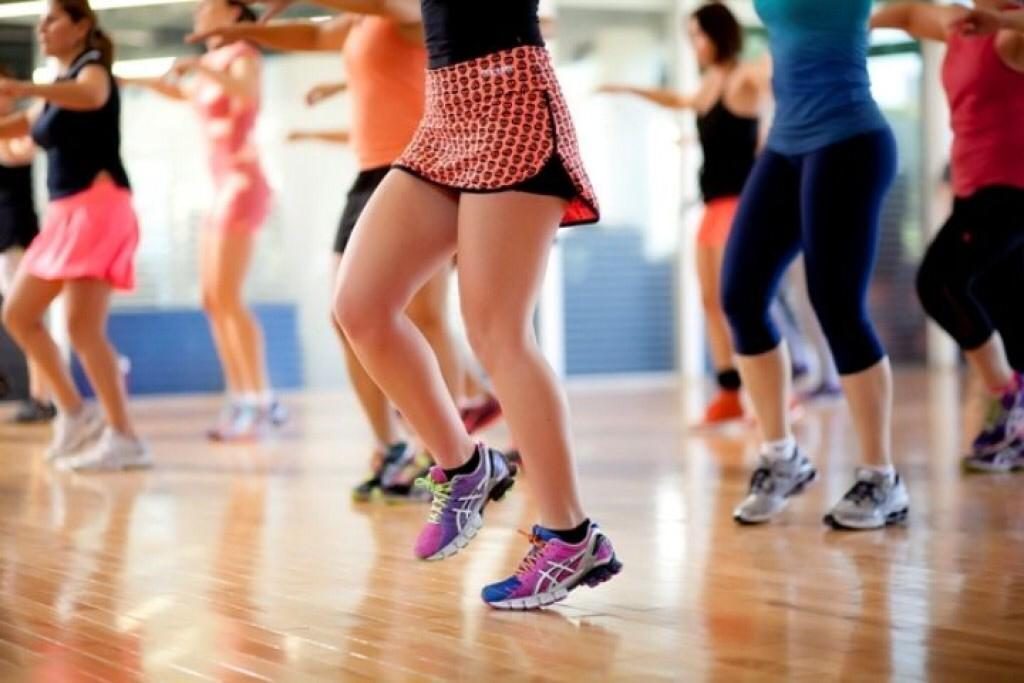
(783, 449)
(888, 471)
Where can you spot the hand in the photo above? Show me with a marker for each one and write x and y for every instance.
(611, 89)
(13, 88)
(978, 22)
(319, 93)
(183, 66)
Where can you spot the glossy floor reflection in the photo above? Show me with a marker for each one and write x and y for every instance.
(237, 563)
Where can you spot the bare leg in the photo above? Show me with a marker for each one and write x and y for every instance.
(372, 400)
(407, 234)
(506, 238)
(23, 317)
(990, 363)
(230, 361)
(9, 262)
(429, 312)
(709, 272)
(869, 394)
(88, 309)
(768, 380)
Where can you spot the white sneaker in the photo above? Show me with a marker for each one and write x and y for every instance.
(875, 501)
(113, 452)
(72, 433)
(773, 483)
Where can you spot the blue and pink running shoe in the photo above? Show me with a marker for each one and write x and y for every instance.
(456, 513)
(553, 568)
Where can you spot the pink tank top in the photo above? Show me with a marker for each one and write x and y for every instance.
(227, 121)
(387, 84)
(986, 98)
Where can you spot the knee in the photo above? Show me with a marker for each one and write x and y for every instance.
(939, 284)
(851, 335)
(746, 311)
(362, 319)
(13, 320)
(494, 338)
(211, 301)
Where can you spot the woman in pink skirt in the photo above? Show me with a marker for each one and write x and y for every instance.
(224, 88)
(87, 244)
(492, 173)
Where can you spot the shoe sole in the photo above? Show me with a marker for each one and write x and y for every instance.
(497, 493)
(796, 491)
(893, 518)
(597, 575)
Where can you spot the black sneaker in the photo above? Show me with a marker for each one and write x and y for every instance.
(32, 411)
(392, 463)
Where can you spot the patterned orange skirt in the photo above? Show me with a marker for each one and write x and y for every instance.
(492, 124)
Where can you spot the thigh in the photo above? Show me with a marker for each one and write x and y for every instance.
(843, 189)
(406, 234)
(88, 303)
(765, 235)
(227, 257)
(504, 242)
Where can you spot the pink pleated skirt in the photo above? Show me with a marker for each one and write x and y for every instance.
(92, 234)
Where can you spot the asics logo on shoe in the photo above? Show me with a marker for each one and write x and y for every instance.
(557, 573)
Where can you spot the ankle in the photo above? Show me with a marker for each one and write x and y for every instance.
(780, 449)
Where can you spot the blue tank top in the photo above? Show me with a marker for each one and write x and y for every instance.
(822, 89)
(81, 144)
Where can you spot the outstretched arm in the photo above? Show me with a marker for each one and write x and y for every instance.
(287, 36)
(662, 97)
(403, 11)
(86, 92)
(336, 137)
(161, 86)
(922, 21)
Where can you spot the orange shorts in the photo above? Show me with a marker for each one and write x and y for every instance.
(717, 222)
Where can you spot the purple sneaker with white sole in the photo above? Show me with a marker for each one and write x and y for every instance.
(1004, 422)
(456, 512)
(553, 568)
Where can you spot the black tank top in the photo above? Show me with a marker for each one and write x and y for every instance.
(730, 146)
(461, 30)
(16, 187)
(81, 144)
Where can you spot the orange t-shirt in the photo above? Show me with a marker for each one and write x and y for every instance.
(387, 86)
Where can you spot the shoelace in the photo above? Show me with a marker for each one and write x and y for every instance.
(863, 490)
(762, 481)
(536, 551)
(441, 494)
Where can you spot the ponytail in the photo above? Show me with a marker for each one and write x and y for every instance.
(99, 40)
(246, 14)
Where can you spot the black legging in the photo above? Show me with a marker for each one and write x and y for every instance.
(971, 281)
(827, 203)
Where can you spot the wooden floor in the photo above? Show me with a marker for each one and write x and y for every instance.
(251, 563)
